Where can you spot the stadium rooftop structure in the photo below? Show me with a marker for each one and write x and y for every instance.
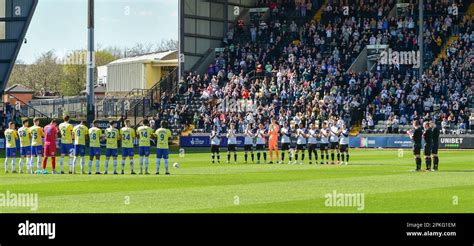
(140, 72)
(204, 25)
(15, 17)
(156, 57)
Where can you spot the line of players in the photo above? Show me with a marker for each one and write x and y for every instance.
(430, 134)
(329, 138)
(73, 141)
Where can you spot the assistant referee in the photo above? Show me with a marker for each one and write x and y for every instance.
(416, 136)
(428, 137)
(435, 144)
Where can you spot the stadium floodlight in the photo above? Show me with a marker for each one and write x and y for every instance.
(420, 38)
(90, 62)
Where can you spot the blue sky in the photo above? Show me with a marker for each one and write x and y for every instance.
(61, 25)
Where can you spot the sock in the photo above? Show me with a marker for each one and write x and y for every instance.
(302, 156)
(271, 155)
(435, 162)
(45, 160)
(276, 152)
(82, 163)
(245, 156)
(90, 165)
(13, 163)
(73, 169)
(418, 163)
(115, 165)
(141, 163)
(332, 156)
(38, 162)
(265, 156)
(296, 157)
(123, 164)
(106, 165)
(235, 156)
(253, 157)
(53, 162)
(70, 163)
(61, 162)
(28, 163)
(315, 155)
(146, 163)
(258, 156)
(327, 157)
(228, 156)
(6, 164)
(97, 164)
(158, 162)
(166, 165)
(20, 164)
(322, 157)
(338, 156)
(283, 156)
(347, 157)
(131, 164)
(428, 162)
(310, 155)
(213, 157)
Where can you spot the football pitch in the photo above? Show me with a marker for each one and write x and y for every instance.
(382, 178)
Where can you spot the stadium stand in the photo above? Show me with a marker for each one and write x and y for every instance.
(295, 67)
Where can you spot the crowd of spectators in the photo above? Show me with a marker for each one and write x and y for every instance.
(288, 66)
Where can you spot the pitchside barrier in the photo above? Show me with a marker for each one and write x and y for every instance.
(361, 141)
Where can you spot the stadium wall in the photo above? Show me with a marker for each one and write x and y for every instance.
(361, 141)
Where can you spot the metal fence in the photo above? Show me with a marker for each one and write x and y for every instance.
(137, 103)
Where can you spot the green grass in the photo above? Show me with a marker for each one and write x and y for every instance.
(383, 177)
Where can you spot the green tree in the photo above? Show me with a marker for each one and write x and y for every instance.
(74, 79)
(46, 74)
(75, 70)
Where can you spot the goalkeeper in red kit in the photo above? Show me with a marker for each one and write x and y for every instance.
(50, 135)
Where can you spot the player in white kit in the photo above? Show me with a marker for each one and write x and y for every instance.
(215, 144)
(334, 142)
(232, 143)
(313, 142)
(285, 142)
(300, 142)
(323, 146)
(261, 141)
(248, 142)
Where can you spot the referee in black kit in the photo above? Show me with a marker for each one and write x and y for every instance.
(428, 137)
(435, 144)
(416, 136)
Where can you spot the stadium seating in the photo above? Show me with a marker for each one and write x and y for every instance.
(294, 64)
